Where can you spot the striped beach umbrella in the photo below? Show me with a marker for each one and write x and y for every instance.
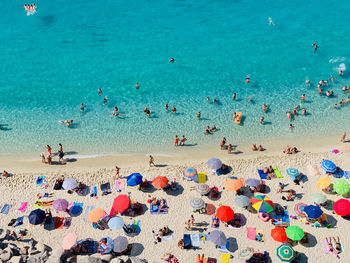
(242, 201)
(319, 198)
(313, 211)
(299, 209)
(262, 204)
(293, 173)
(234, 184)
(160, 181)
(323, 183)
(203, 189)
(328, 166)
(197, 203)
(341, 187)
(190, 173)
(342, 207)
(246, 253)
(285, 253)
(224, 213)
(295, 233)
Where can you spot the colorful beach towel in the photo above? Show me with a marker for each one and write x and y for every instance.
(282, 220)
(277, 173)
(262, 175)
(39, 204)
(87, 212)
(212, 226)
(5, 209)
(169, 237)
(119, 185)
(23, 207)
(58, 223)
(225, 258)
(154, 209)
(327, 249)
(195, 240)
(251, 233)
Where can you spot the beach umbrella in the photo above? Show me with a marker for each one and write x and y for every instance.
(40, 180)
(160, 181)
(295, 233)
(203, 189)
(197, 203)
(299, 209)
(190, 173)
(328, 166)
(242, 201)
(36, 217)
(342, 207)
(279, 234)
(234, 184)
(218, 237)
(120, 244)
(106, 245)
(69, 240)
(60, 204)
(134, 179)
(95, 215)
(69, 184)
(214, 163)
(116, 223)
(246, 253)
(285, 253)
(341, 187)
(293, 173)
(323, 183)
(252, 182)
(224, 213)
(262, 204)
(313, 211)
(136, 260)
(120, 204)
(319, 198)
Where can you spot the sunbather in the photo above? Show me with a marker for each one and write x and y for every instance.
(215, 222)
(329, 245)
(337, 244)
(290, 195)
(46, 195)
(298, 179)
(170, 258)
(180, 244)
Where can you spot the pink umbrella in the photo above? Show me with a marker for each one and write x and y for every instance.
(69, 240)
(60, 204)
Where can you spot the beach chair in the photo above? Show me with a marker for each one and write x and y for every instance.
(195, 240)
(5, 209)
(106, 189)
(202, 178)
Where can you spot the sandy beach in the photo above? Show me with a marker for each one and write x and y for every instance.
(94, 171)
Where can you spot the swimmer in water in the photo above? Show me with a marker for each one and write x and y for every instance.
(307, 83)
(115, 111)
(249, 99)
(335, 106)
(172, 60)
(166, 107)
(147, 111)
(289, 115)
(234, 96)
(264, 107)
(198, 115)
(207, 130)
(271, 22)
(290, 127)
(208, 99)
(332, 78)
(213, 128)
(99, 91)
(262, 120)
(105, 101)
(302, 97)
(173, 110)
(215, 100)
(68, 122)
(303, 112)
(247, 79)
(342, 102)
(137, 86)
(340, 73)
(82, 107)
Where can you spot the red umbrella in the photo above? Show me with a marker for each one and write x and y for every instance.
(160, 181)
(279, 234)
(120, 204)
(342, 207)
(224, 213)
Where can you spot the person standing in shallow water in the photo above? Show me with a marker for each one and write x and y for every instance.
(343, 137)
(151, 161)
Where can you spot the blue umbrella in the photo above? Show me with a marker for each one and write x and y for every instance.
(134, 179)
(313, 211)
(293, 173)
(328, 166)
(69, 184)
(116, 223)
(105, 245)
(214, 163)
(36, 217)
(197, 203)
(252, 182)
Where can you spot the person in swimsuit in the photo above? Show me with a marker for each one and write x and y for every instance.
(340, 73)
(82, 107)
(234, 96)
(117, 170)
(307, 83)
(343, 137)
(213, 128)
(147, 111)
(105, 101)
(262, 120)
(254, 148)
(264, 107)
(173, 109)
(198, 115)
(207, 130)
(302, 97)
(176, 141)
(271, 22)
(222, 143)
(182, 141)
(247, 79)
(99, 91)
(337, 244)
(60, 153)
(229, 148)
(303, 111)
(151, 161)
(172, 60)
(49, 150)
(137, 85)
(115, 111)
(166, 107)
(329, 245)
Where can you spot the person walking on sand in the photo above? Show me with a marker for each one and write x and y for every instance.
(343, 137)
(229, 148)
(151, 161)
(117, 169)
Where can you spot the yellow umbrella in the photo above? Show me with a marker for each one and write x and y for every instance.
(323, 183)
(234, 184)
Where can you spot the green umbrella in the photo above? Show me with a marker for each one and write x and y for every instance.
(341, 187)
(295, 233)
(285, 253)
(319, 198)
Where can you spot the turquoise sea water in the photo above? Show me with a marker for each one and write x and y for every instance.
(57, 58)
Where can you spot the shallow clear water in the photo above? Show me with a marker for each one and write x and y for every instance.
(52, 61)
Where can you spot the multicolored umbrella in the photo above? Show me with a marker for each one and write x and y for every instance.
(242, 201)
(190, 173)
(279, 234)
(134, 179)
(293, 173)
(214, 163)
(60, 204)
(224, 213)
(197, 203)
(328, 166)
(313, 211)
(120, 204)
(234, 184)
(69, 184)
(116, 223)
(323, 183)
(246, 254)
(36, 217)
(319, 198)
(95, 215)
(252, 182)
(218, 237)
(120, 244)
(295, 233)
(299, 209)
(342, 207)
(69, 240)
(160, 181)
(341, 187)
(105, 245)
(203, 189)
(285, 253)
(262, 204)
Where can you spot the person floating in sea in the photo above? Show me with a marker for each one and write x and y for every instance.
(247, 79)
(82, 107)
(116, 113)
(67, 122)
(172, 60)
(271, 22)
(198, 115)
(315, 46)
(335, 106)
(261, 120)
(303, 112)
(173, 109)
(207, 130)
(234, 96)
(137, 86)
(182, 141)
(105, 101)
(208, 99)
(307, 83)
(213, 128)
(99, 91)
(302, 97)
(166, 107)
(250, 99)
(265, 107)
(332, 78)
(147, 111)
(30, 8)
(290, 127)
(340, 73)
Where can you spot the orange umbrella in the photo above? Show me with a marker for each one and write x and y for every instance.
(69, 240)
(234, 184)
(323, 183)
(279, 234)
(160, 181)
(224, 213)
(96, 214)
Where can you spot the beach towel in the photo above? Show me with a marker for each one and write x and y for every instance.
(225, 258)
(58, 223)
(260, 237)
(39, 204)
(136, 226)
(187, 241)
(23, 207)
(195, 240)
(341, 246)
(204, 237)
(211, 260)
(327, 249)
(262, 175)
(154, 209)
(169, 237)
(212, 226)
(106, 189)
(282, 220)
(277, 173)
(19, 221)
(251, 233)
(67, 222)
(5, 209)
(87, 211)
(119, 185)
(221, 171)
(313, 169)
(93, 191)
(202, 178)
